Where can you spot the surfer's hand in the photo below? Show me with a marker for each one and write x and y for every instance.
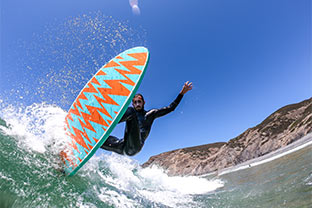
(186, 87)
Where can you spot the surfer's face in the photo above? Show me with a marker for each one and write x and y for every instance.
(138, 103)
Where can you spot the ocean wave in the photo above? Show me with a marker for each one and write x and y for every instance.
(31, 177)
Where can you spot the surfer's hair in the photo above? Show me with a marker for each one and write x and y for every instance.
(137, 95)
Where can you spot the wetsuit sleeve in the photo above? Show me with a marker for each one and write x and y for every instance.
(165, 110)
(130, 112)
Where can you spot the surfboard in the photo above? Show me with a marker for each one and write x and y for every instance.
(100, 105)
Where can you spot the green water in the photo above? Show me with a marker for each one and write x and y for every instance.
(29, 178)
(284, 182)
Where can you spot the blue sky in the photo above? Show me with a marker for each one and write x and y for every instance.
(245, 58)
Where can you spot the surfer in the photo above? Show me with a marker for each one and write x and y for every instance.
(139, 123)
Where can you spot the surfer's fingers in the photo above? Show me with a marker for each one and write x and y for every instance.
(189, 84)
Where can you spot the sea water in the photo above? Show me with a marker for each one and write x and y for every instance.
(31, 137)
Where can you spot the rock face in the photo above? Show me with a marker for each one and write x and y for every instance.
(281, 128)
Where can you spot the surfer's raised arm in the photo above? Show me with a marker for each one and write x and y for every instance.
(139, 123)
(165, 110)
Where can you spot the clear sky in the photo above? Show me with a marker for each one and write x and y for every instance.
(245, 58)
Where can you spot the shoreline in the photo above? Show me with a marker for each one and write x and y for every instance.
(293, 147)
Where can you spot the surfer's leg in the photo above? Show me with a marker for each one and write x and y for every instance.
(132, 138)
(131, 144)
(114, 144)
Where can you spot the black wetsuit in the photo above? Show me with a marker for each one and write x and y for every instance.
(138, 127)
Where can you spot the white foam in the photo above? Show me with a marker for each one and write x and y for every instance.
(116, 199)
(174, 191)
(179, 184)
(151, 184)
(35, 126)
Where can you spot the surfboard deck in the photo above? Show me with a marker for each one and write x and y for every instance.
(100, 105)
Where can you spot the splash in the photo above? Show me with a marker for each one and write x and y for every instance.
(36, 127)
(149, 184)
(105, 180)
(58, 61)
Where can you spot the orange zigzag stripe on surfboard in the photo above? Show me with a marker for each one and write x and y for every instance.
(96, 118)
(116, 89)
(141, 58)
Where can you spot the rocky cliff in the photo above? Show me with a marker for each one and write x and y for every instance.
(281, 128)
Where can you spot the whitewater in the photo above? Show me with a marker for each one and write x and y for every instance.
(30, 175)
(32, 136)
